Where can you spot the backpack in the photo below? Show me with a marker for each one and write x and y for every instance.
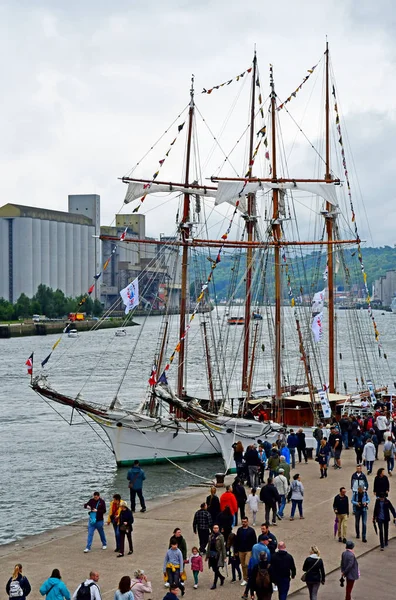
(263, 580)
(84, 591)
(16, 590)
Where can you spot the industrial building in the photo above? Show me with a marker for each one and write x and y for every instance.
(50, 247)
(384, 288)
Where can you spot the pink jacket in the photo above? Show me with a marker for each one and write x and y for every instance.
(138, 588)
(196, 562)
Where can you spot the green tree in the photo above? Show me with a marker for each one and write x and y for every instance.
(97, 308)
(6, 310)
(23, 307)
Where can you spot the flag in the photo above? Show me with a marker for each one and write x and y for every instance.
(317, 329)
(29, 364)
(123, 234)
(44, 362)
(97, 275)
(153, 377)
(57, 342)
(163, 379)
(318, 301)
(91, 289)
(130, 295)
(325, 404)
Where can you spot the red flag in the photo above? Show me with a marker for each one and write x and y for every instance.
(153, 377)
(91, 289)
(29, 364)
(123, 234)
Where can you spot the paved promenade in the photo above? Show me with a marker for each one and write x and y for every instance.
(63, 547)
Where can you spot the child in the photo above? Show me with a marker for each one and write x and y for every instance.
(253, 502)
(174, 565)
(196, 565)
(233, 558)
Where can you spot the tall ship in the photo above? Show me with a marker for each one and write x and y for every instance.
(282, 248)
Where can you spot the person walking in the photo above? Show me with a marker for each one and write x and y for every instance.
(292, 443)
(313, 568)
(181, 542)
(240, 494)
(381, 515)
(135, 477)
(285, 466)
(97, 509)
(196, 564)
(213, 504)
(369, 452)
(389, 454)
(323, 453)
(233, 558)
(273, 462)
(216, 555)
(381, 483)
(301, 446)
(227, 498)
(113, 518)
(358, 444)
(341, 510)
(263, 463)
(253, 463)
(54, 588)
(382, 424)
(297, 496)
(238, 458)
(253, 502)
(349, 568)
(260, 579)
(18, 585)
(124, 589)
(359, 479)
(282, 487)
(246, 538)
(345, 426)
(225, 522)
(202, 524)
(282, 570)
(88, 588)
(272, 541)
(140, 584)
(318, 435)
(270, 497)
(360, 502)
(125, 528)
(174, 566)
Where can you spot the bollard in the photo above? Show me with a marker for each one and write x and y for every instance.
(219, 479)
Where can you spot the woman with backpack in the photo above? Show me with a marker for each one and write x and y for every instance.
(18, 585)
(54, 588)
(314, 573)
(260, 579)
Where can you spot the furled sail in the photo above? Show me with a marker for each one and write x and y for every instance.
(229, 191)
(137, 189)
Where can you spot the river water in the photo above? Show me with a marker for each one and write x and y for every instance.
(49, 469)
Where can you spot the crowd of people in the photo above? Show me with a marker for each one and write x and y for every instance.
(260, 563)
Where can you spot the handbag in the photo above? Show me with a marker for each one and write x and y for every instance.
(304, 575)
(92, 515)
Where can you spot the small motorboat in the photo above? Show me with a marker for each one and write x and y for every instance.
(72, 333)
(121, 332)
(236, 321)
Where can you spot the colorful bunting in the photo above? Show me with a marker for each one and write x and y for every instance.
(29, 364)
(353, 219)
(293, 94)
(236, 78)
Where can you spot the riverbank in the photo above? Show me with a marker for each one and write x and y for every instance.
(63, 548)
(47, 327)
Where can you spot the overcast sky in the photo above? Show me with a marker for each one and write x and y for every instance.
(88, 87)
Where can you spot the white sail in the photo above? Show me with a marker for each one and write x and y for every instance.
(229, 191)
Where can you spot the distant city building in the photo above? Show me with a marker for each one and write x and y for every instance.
(384, 288)
(50, 247)
(157, 266)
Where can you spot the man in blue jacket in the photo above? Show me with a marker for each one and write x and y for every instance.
(292, 443)
(136, 477)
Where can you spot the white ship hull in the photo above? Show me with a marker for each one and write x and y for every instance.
(147, 440)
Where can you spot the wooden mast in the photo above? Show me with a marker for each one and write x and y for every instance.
(329, 231)
(250, 223)
(185, 234)
(276, 233)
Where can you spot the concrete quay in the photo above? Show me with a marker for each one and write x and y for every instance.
(63, 547)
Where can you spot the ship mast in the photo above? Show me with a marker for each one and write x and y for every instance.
(276, 233)
(250, 224)
(329, 231)
(185, 235)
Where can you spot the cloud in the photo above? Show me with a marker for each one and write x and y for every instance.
(89, 87)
